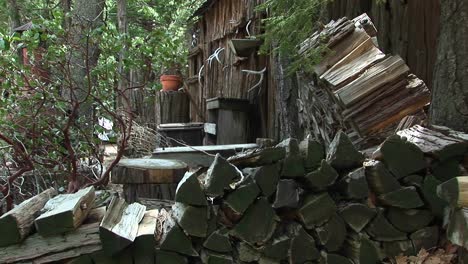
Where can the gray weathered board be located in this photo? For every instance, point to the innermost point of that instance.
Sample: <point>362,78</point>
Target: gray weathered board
<point>196,156</point>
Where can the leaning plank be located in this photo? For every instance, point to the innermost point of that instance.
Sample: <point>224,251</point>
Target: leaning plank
<point>457,230</point>
<point>119,227</point>
<point>65,212</point>
<point>455,191</point>
<point>16,225</point>
<point>145,243</point>
<point>150,171</point>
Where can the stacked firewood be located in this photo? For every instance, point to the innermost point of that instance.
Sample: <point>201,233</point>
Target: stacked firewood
<point>296,202</point>
<point>358,87</point>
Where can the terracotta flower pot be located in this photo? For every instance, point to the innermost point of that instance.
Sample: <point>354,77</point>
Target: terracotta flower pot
<point>170,82</point>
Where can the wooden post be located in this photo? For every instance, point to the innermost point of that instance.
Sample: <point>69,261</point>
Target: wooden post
<point>172,107</point>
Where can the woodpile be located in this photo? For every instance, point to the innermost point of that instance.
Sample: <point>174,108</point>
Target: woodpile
<point>296,202</point>
<point>356,87</point>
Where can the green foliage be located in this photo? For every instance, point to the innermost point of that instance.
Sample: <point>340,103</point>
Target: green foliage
<point>35,111</point>
<point>289,23</point>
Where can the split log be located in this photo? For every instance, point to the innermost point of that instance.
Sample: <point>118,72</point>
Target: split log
<point>190,191</point>
<point>426,238</point>
<point>220,176</point>
<point>266,177</point>
<point>219,241</point>
<point>406,198</point>
<point>312,153</point>
<point>174,239</point>
<point>446,170</point>
<point>379,178</point>
<point>439,144</point>
<point>170,257</point>
<point>429,192</point>
<point>193,220</point>
<point>454,191</point>
<point>402,157</point>
<point>354,185</point>
<point>357,215</point>
<point>457,230</point>
<point>409,221</point>
<point>215,258</point>
<point>360,249</point>
<point>395,248</point>
<point>303,248</point>
<point>278,249</point>
<point>65,212</point>
<point>119,227</point>
<point>413,180</point>
<point>342,154</point>
<point>143,249</point>
<point>353,65</point>
<point>293,166</point>
<point>247,253</point>
<point>258,157</point>
<point>287,194</point>
<point>332,234</point>
<point>240,199</point>
<point>381,230</point>
<point>316,210</point>
<point>323,177</point>
<point>148,171</point>
<point>17,224</point>
<point>386,71</point>
<point>330,258</point>
<point>258,223</point>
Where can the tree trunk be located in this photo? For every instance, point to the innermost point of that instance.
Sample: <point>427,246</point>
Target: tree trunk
<point>87,16</point>
<point>123,30</point>
<point>450,92</point>
<point>14,14</point>
<point>286,102</point>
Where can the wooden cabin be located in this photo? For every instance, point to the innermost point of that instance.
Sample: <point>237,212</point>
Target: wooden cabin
<point>221,21</point>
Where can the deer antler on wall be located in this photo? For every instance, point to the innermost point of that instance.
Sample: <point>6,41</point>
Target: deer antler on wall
<point>262,76</point>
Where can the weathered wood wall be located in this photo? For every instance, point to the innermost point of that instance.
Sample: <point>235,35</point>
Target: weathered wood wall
<point>408,28</point>
<point>225,20</point>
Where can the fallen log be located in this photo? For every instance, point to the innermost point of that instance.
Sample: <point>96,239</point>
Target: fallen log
<point>65,212</point>
<point>17,224</point>
<point>119,227</point>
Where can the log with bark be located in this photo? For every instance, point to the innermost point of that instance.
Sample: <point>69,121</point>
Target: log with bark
<point>65,212</point>
<point>18,223</point>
